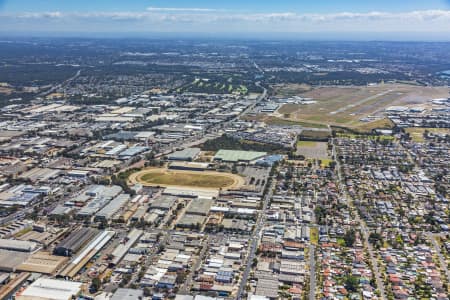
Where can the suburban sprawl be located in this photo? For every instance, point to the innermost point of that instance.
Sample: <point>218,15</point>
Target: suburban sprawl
<point>191,170</point>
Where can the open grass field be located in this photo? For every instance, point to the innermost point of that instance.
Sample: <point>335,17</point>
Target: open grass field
<point>288,90</point>
<point>325,162</point>
<point>280,121</point>
<point>306,144</point>
<point>193,179</point>
<point>345,106</point>
<point>314,235</point>
<point>315,135</point>
<point>369,137</point>
<point>368,126</point>
<point>417,133</point>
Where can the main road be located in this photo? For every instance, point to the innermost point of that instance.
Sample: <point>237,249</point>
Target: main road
<point>255,238</point>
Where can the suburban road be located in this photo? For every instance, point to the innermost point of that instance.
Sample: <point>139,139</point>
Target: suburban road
<point>363,228</point>
<point>312,261</point>
<point>312,272</point>
<point>188,282</point>
<point>442,259</point>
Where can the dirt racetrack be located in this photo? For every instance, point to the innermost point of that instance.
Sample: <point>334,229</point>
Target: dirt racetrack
<point>208,180</point>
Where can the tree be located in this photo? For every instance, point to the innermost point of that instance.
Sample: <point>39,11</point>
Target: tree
<point>96,284</point>
<point>350,238</point>
<point>254,262</point>
<point>351,283</point>
<point>181,277</point>
<point>332,165</point>
<point>147,292</point>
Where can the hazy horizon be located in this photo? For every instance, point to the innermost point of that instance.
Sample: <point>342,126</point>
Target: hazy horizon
<point>402,20</point>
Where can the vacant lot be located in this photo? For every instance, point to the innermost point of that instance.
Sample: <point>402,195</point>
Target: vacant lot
<point>315,150</point>
<point>345,106</point>
<point>195,179</point>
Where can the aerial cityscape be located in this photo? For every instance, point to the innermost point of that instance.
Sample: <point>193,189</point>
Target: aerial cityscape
<point>283,151</point>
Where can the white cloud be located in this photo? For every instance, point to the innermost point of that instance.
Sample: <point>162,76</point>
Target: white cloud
<point>216,15</point>
<point>211,20</point>
<point>181,9</point>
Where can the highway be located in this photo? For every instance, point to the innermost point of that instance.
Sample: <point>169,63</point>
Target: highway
<point>56,87</point>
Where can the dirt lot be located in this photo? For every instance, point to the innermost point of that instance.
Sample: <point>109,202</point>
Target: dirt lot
<point>347,105</point>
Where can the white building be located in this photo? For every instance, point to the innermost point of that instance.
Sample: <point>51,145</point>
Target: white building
<point>50,289</point>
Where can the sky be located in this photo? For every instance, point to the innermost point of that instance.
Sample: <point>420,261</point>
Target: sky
<point>337,19</point>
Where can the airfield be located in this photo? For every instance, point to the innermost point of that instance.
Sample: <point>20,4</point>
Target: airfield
<point>346,106</point>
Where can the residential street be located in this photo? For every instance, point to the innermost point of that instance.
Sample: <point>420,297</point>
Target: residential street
<point>363,228</point>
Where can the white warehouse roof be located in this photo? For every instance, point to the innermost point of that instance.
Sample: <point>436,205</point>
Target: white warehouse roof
<point>51,289</point>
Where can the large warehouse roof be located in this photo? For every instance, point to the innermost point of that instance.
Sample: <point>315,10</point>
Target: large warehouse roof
<point>16,245</point>
<point>235,156</point>
<point>199,206</point>
<point>186,154</point>
<point>112,207</point>
<point>45,288</point>
<point>75,241</point>
<point>9,260</point>
<point>128,294</point>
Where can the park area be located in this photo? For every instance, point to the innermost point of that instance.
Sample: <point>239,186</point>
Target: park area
<point>192,179</point>
<point>346,106</point>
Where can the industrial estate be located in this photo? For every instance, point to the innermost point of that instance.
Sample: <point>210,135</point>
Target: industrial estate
<point>190,170</point>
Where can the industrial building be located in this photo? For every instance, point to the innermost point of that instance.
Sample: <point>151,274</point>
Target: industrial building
<point>270,108</point>
<point>238,156</point>
<point>190,220</point>
<point>75,241</point>
<point>50,289</point>
<point>188,166</point>
<point>94,246</point>
<point>163,202</point>
<point>133,151</point>
<point>188,154</point>
<point>15,245</point>
<point>127,294</point>
<point>10,260</point>
<point>107,212</point>
<point>199,206</point>
<point>122,249</point>
<point>102,196</point>
<point>43,262</point>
